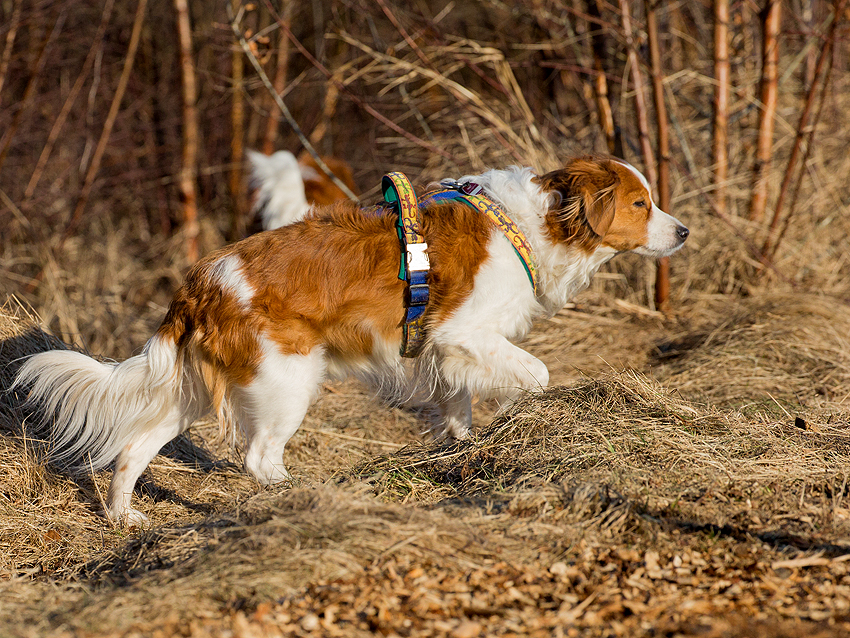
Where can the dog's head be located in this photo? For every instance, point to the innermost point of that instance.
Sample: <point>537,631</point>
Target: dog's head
<point>596,202</point>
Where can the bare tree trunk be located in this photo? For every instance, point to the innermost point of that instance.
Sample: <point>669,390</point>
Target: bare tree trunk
<point>237,154</point>
<point>640,97</point>
<point>769,80</point>
<point>721,101</point>
<point>188,170</point>
<point>662,274</point>
<point>273,121</point>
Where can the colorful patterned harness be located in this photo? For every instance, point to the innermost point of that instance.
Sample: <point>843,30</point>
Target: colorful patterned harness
<point>415,264</point>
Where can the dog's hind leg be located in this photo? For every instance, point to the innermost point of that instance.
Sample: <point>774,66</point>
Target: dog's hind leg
<point>132,461</point>
<point>271,408</point>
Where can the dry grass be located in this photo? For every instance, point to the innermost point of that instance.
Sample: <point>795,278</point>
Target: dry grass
<point>785,350</point>
<point>602,505</point>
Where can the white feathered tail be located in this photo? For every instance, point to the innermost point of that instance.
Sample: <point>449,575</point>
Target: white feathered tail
<point>97,408</point>
<point>280,198</point>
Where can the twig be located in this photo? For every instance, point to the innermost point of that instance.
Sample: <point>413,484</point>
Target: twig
<point>59,123</point>
<point>604,112</point>
<point>640,98</point>
<point>348,437</point>
<point>237,31</point>
<point>805,162</point>
<point>381,118</point>
<point>29,92</point>
<point>11,34</point>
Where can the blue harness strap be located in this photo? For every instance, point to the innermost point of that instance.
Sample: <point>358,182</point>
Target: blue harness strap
<point>415,265</point>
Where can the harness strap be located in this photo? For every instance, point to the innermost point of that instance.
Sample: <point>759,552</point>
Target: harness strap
<point>414,265</point>
<point>470,194</point>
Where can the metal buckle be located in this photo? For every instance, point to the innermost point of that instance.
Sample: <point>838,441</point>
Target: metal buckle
<point>418,295</point>
<point>417,258</point>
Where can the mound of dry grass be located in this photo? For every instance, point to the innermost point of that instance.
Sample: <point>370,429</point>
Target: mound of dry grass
<point>604,506</point>
<point>782,348</point>
<point>667,455</point>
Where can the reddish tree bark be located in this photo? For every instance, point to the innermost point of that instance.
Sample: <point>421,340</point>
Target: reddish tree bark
<point>769,92</point>
<point>662,274</point>
<point>188,171</point>
<point>721,101</point>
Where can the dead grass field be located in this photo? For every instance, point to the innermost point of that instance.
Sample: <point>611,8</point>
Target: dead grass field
<point>671,499</point>
<point>685,475</point>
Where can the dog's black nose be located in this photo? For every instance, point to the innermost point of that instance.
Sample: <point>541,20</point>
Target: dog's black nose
<point>682,232</point>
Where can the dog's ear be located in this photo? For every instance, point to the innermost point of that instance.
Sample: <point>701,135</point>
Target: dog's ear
<point>585,188</point>
<point>595,182</point>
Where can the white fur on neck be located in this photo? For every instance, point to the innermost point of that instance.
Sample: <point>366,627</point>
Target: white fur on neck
<point>563,271</point>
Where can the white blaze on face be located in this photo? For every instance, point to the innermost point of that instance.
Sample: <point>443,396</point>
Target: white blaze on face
<point>665,233</point>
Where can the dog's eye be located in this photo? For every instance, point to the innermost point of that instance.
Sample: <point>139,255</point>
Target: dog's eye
<point>640,203</point>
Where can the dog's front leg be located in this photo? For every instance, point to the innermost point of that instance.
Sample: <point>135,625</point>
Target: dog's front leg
<point>487,364</point>
<point>455,414</point>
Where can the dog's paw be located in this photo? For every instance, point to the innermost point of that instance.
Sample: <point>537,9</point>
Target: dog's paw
<point>266,471</point>
<point>126,518</point>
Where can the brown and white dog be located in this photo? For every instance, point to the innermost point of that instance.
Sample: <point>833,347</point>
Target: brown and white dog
<point>286,188</point>
<point>258,325</point>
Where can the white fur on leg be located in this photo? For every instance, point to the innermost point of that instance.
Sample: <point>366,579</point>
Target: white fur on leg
<point>487,364</point>
<point>456,414</point>
<point>135,457</point>
<point>271,408</point>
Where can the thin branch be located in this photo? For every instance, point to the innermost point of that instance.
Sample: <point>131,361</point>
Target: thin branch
<point>356,99</point>
<point>640,98</point>
<point>772,246</point>
<point>11,34</point>
<point>604,112</point>
<point>59,123</point>
<point>29,92</point>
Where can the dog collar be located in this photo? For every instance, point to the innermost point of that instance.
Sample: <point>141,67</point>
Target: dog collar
<point>414,262</point>
<point>472,194</point>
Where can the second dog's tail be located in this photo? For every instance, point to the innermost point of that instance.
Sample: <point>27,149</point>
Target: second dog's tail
<point>97,408</point>
<point>280,198</point>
